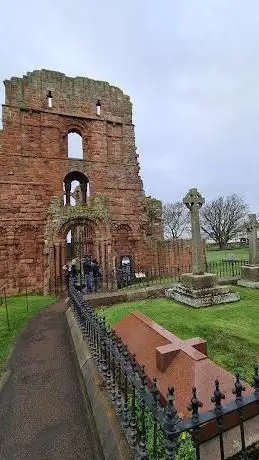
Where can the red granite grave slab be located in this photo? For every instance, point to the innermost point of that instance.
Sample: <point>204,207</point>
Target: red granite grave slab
<point>183,363</point>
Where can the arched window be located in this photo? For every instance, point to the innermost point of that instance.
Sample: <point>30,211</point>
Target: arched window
<point>76,193</point>
<point>75,145</point>
<point>76,186</point>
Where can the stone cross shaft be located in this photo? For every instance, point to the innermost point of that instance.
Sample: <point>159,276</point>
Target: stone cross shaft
<point>251,228</point>
<point>194,201</point>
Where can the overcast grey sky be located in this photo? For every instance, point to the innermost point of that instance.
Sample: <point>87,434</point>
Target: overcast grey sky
<point>191,68</point>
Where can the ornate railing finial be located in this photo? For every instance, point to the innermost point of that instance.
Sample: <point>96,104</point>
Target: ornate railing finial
<point>143,377</point>
<point>134,363</point>
<point>154,391</point>
<point>217,397</point>
<point>170,401</point>
<point>194,405</point>
<point>239,388</point>
<point>170,425</point>
<point>126,354</point>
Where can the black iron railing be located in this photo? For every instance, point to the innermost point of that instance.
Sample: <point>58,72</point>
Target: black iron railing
<point>226,268</point>
<point>165,275</point>
<point>140,277</point>
<point>152,425</point>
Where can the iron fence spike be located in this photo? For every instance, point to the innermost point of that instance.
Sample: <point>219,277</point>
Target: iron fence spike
<point>194,405</point>
<point>217,397</point>
<point>239,388</point>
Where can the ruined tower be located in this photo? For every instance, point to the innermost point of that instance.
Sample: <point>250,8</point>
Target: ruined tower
<point>111,217</point>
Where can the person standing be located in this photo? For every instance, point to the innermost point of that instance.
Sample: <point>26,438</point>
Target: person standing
<point>96,275</point>
<point>66,276</point>
<point>88,273</point>
<point>73,271</point>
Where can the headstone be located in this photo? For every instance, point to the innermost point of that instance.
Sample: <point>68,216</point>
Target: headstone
<point>199,289</point>
<point>183,363</point>
<point>250,273</point>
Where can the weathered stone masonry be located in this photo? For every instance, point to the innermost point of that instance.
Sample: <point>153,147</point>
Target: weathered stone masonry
<point>34,162</point>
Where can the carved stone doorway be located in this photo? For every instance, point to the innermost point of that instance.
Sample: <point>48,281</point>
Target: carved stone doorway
<point>76,239</point>
<point>81,241</point>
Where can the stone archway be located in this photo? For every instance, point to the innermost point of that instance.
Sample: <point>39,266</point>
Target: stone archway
<point>74,239</point>
<point>87,238</point>
<point>80,238</point>
<point>90,224</point>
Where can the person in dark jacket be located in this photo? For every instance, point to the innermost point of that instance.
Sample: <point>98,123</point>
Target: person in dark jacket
<point>88,273</point>
<point>73,271</point>
<point>66,276</point>
<point>96,275</point>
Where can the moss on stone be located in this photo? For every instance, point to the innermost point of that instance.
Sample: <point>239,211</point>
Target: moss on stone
<point>96,210</point>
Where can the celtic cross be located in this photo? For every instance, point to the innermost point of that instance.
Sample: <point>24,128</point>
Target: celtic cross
<point>194,201</point>
<point>251,228</point>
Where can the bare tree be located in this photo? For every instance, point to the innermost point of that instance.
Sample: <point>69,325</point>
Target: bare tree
<point>223,218</point>
<point>176,219</point>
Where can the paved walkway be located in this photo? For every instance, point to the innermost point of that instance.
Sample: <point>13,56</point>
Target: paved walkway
<point>42,410</point>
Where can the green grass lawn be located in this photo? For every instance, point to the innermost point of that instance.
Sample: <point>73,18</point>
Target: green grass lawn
<point>218,256</point>
<point>232,330</point>
<point>18,318</point>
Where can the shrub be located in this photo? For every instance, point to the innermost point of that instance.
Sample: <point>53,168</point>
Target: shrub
<point>186,449</point>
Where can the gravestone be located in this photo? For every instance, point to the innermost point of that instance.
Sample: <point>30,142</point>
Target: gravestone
<point>183,363</point>
<point>250,273</point>
<point>199,289</point>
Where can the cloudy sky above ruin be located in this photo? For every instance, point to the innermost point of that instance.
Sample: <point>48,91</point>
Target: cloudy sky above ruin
<point>191,68</point>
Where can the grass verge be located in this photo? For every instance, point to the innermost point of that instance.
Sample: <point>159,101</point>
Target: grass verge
<point>18,318</point>
<point>231,330</point>
<point>218,256</point>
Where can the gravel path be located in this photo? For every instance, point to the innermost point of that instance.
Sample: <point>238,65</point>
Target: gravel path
<point>42,409</point>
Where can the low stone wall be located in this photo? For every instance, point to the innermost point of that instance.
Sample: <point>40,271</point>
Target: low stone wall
<point>107,299</point>
<point>210,450</point>
<point>113,441</point>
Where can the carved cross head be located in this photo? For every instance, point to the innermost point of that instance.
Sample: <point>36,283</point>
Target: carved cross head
<point>251,224</point>
<point>193,199</point>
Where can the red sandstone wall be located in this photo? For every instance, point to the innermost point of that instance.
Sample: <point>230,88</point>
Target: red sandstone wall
<point>34,161</point>
<point>164,255</point>
<point>34,139</point>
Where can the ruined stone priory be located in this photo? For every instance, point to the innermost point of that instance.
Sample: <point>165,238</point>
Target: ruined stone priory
<point>42,225</point>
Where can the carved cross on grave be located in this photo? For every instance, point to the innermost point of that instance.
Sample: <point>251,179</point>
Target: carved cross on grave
<point>194,201</point>
<point>251,228</point>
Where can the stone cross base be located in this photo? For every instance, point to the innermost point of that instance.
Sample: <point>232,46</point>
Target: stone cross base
<point>204,281</point>
<point>201,291</point>
<point>199,298</point>
<point>249,276</point>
